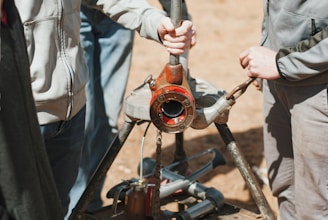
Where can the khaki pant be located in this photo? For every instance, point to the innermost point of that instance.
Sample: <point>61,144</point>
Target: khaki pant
<point>296,148</point>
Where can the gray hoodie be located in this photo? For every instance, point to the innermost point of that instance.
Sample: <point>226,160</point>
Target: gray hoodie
<point>58,69</point>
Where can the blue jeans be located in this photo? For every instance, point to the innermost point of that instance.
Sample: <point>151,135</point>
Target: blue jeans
<point>108,49</point>
<point>64,141</point>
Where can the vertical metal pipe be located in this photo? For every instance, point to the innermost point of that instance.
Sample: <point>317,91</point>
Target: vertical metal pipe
<point>180,154</point>
<point>246,172</point>
<point>176,17</point>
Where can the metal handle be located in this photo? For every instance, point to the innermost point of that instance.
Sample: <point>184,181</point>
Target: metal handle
<point>240,89</point>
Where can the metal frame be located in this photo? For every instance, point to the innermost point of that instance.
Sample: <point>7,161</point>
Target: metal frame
<point>80,212</point>
<point>216,105</point>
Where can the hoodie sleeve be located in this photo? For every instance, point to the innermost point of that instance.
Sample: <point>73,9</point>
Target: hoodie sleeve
<point>307,59</point>
<point>134,14</point>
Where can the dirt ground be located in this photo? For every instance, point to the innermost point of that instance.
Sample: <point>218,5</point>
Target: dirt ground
<point>224,29</point>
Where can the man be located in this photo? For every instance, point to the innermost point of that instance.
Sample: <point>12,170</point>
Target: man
<point>293,62</point>
<point>59,72</point>
<point>108,51</point>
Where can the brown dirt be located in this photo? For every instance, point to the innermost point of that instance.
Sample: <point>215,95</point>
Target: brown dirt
<point>224,29</point>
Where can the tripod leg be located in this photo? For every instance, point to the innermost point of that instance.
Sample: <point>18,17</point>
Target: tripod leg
<point>246,172</point>
<point>101,170</point>
<point>180,154</point>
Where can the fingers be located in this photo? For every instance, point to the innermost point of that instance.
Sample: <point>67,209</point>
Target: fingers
<point>178,40</point>
<point>259,62</point>
<point>243,58</point>
<point>177,45</point>
<point>165,26</point>
<point>247,62</point>
<point>257,84</point>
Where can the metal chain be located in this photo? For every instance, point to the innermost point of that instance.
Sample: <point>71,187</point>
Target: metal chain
<point>156,205</point>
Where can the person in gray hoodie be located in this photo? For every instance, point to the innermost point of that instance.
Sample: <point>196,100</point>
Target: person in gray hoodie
<point>107,48</point>
<point>59,72</point>
<point>293,63</point>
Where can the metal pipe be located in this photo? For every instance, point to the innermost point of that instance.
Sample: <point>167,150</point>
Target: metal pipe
<point>246,172</point>
<point>206,116</point>
<point>176,17</point>
<point>212,198</point>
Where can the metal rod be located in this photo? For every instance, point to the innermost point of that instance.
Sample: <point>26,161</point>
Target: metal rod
<point>100,173</point>
<point>246,172</point>
<point>176,17</point>
<point>180,154</point>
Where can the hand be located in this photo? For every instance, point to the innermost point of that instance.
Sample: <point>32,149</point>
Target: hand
<point>260,62</point>
<point>178,40</point>
<point>257,83</point>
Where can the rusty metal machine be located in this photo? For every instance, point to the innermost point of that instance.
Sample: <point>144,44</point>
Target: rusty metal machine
<point>173,102</point>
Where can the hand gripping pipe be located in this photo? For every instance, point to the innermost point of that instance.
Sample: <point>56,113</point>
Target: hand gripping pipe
<point>172,105</point>
<point>177,101</point>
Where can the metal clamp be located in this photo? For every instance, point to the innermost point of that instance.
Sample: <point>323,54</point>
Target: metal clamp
<point>239,90</point>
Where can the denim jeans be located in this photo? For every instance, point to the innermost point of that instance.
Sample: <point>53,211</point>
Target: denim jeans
<point>108,49</point>
<point>64,141</point>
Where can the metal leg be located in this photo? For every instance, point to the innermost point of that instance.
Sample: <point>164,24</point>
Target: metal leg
<point>246,172</point>
<point>101,170</point>
<point>180,154</point>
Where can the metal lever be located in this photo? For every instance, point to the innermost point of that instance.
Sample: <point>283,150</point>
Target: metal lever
<point>240,89</point>
<point>178,181</point>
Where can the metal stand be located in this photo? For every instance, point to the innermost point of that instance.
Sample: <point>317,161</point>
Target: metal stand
<point>137,110</point>
<point>173,102</point>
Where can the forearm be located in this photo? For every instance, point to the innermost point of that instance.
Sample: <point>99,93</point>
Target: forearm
<point>307,59</point>
<point>149,22</point>
<point>136,15</point>
<point>166,4</point>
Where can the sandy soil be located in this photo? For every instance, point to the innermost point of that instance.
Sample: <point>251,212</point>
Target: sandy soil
<point>224,29</point>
